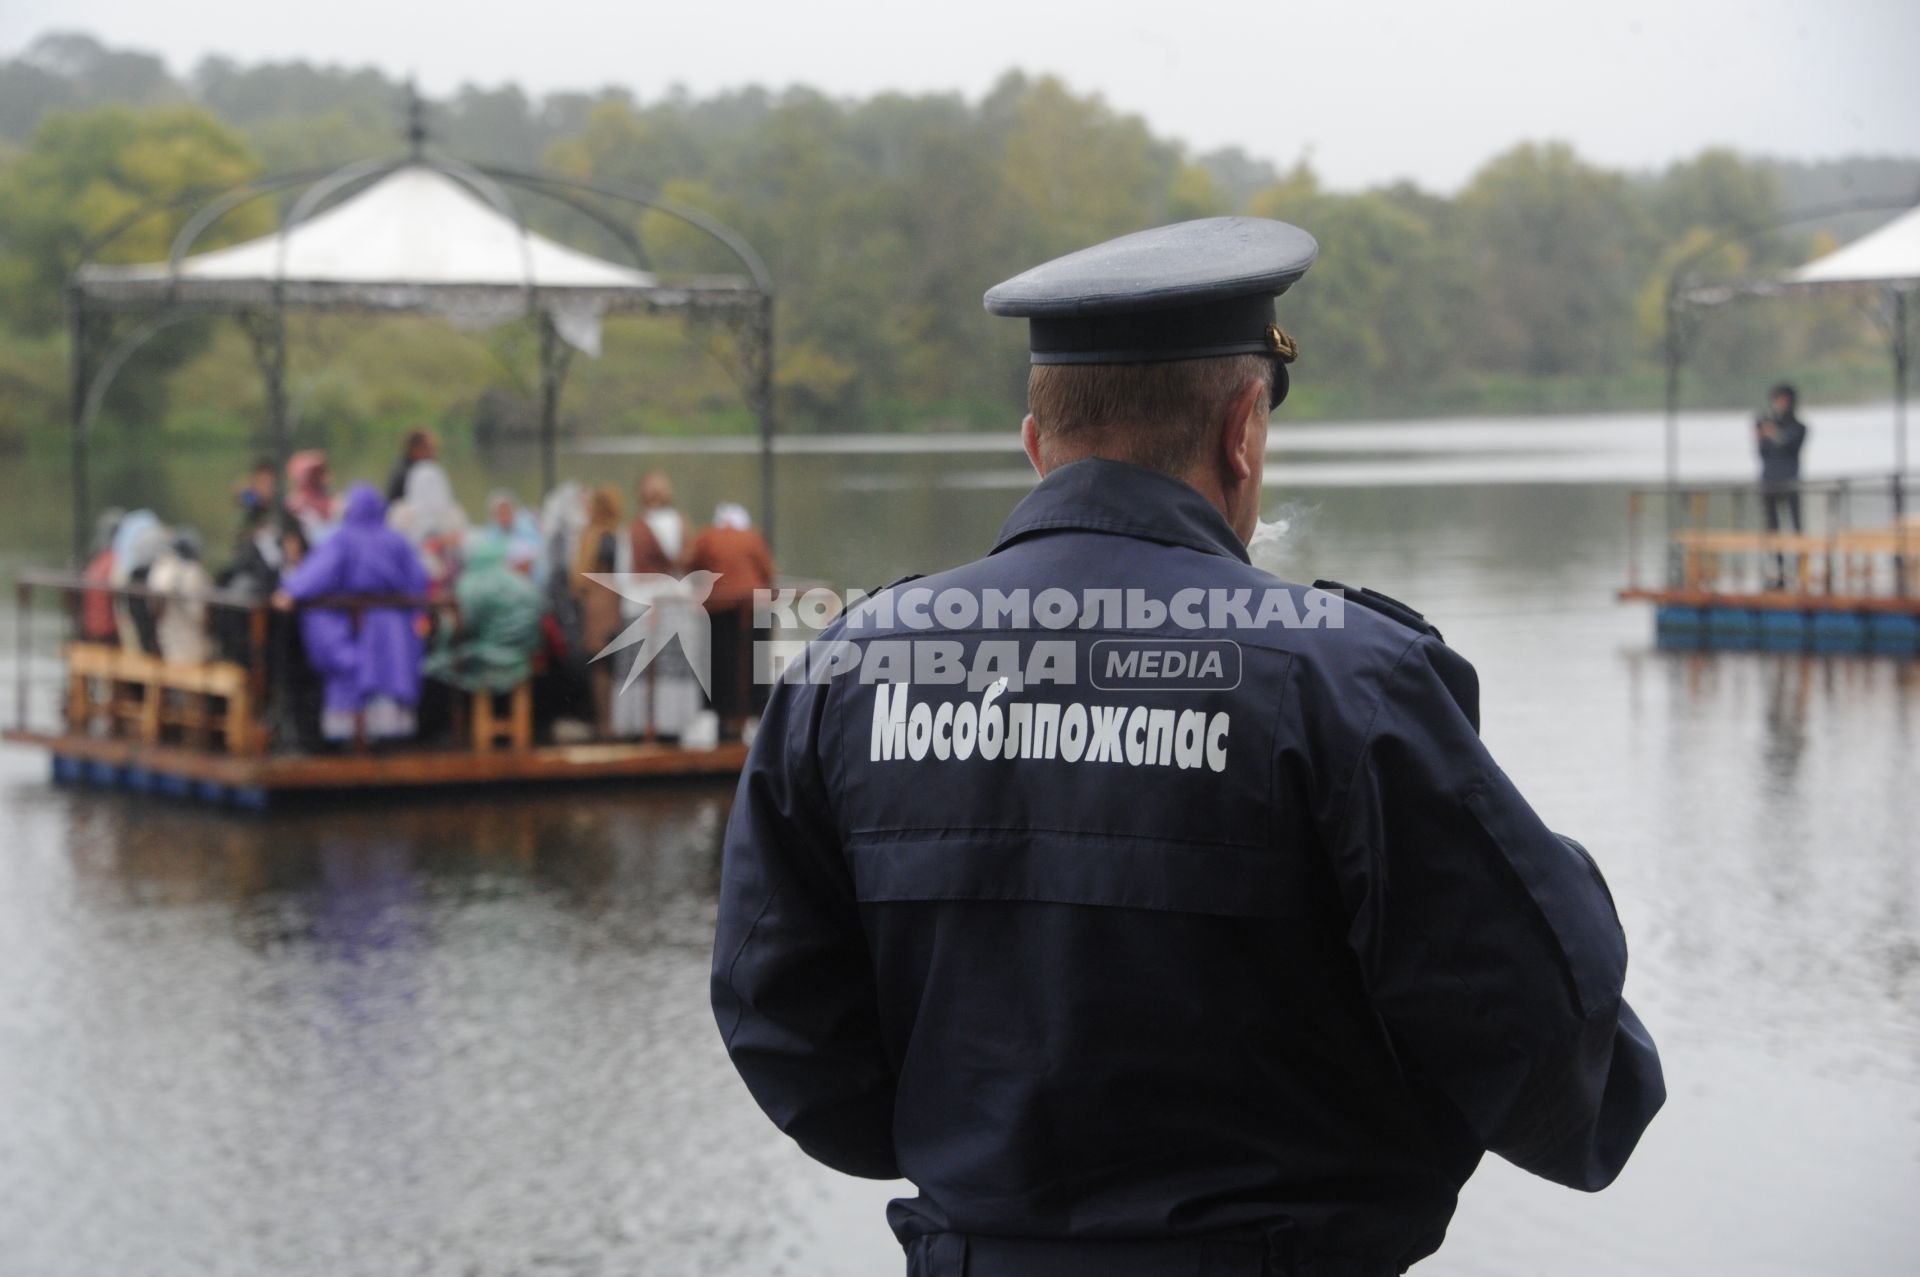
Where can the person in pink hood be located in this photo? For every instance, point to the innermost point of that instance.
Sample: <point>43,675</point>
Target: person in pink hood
<point>310,495</point>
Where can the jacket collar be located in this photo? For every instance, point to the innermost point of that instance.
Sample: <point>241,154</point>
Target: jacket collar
<point>1096,495</point>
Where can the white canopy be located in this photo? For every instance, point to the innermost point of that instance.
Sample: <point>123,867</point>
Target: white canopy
<point>416,238</point>
<point>424,234</point>
<point>1888,258</point>
<point>1890,255</point>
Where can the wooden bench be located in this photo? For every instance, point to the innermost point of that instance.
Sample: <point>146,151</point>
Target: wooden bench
<point>141,695</point>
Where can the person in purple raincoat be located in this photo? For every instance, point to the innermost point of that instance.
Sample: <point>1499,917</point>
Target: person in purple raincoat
<point>371,672</point>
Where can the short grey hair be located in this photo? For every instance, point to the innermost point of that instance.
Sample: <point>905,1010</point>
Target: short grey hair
<point>1160,415</point>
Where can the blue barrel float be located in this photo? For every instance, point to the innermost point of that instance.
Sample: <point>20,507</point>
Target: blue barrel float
<point>1772,629</point>
<point>1839,632</point>
<point>1733,629</point>
<point>1784,631</point>
<point>1678,626</point>
<point>1893,633</point>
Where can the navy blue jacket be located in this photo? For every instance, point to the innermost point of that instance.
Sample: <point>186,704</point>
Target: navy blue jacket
<point>1273,947</point>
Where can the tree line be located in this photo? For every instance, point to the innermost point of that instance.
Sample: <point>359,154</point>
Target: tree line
<point>1539,284</point>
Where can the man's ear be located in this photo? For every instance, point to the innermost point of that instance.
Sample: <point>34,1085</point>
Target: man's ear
<point>1030,440</point>
<point>1239,442</point>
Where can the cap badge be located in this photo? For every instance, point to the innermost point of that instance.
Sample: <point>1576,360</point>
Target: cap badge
<point>1282,345</point>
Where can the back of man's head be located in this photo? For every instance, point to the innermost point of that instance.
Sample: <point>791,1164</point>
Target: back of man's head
<point>1164,416</point>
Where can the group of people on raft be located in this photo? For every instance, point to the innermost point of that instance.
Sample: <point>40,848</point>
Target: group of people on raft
<point>505,601</point>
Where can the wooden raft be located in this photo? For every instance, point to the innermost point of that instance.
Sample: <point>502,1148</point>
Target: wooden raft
<point>135,721</point>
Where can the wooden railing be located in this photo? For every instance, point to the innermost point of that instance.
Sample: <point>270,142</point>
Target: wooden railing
<point>240,703</point>
<point>1857,539</point>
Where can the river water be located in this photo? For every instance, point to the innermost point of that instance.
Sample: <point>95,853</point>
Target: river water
<point>469,1036</point>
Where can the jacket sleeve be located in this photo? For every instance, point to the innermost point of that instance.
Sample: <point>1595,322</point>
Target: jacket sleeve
<point>1489,944</point>
<point>793,988</point>
<point>319,573</point>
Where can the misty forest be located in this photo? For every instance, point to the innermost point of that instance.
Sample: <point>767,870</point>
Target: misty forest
<point>1538,286</point>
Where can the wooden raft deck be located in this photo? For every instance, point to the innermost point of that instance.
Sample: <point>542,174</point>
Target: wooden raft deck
<point>249,780</point>
<point>1773,600</point>
<point>1844,586</point>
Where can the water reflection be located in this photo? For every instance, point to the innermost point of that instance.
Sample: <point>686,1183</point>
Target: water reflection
<point>1785,902</point>
<point>448,1037</point>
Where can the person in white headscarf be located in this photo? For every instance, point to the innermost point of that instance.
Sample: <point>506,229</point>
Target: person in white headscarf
<point>137,542</point>
<point>180,579</point>
<point>514,526</point>
<point>428,492</point>
<point>665,699</point>
<point>429,516</point>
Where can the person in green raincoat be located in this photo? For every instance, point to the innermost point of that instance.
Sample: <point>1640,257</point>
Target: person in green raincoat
<point>491,646</point>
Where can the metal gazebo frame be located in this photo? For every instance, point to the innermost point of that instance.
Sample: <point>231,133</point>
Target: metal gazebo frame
<point>98,302</point>
<point>1685,295</point>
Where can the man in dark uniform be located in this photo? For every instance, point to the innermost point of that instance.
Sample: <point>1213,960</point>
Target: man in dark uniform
<point>1151,915</point>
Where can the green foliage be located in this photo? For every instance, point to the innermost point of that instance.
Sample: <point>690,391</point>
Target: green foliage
<point>33,385</point>
<point>1385,293</point>
<point>1558,248</point>
<point>1541,284</point>
<point>86,175</point>
<point>115,185</point>
<point>1715,189</point>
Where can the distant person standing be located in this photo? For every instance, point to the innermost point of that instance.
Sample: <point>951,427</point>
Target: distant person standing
<point>1779,437</point>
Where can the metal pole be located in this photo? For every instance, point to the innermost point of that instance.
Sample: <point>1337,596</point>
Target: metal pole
<point>1900,441</point>
<point>268,332</point>
<point>277,388</point>
<point>1899,536</point>
<point>763,407</point>
<point>1633,539</point>
<point>22,602</point>
<point>555,355</point>
<point>1900,349</point>
<point>280,713</point>
<point>77,422</point>
<point>1672,427</point>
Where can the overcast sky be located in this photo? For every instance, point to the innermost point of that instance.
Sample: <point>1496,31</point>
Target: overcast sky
<point>1371,91</point>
